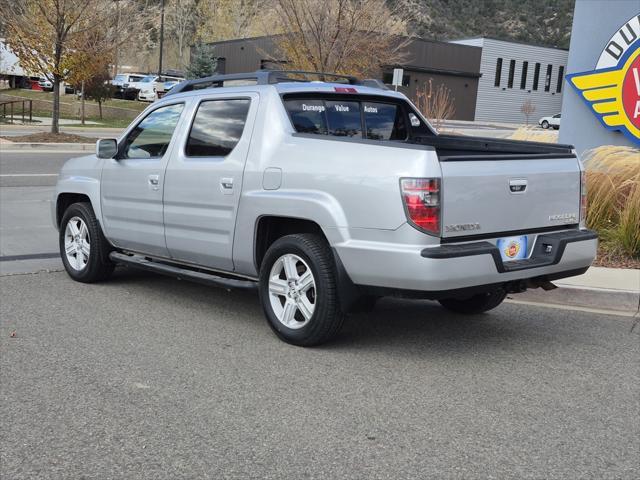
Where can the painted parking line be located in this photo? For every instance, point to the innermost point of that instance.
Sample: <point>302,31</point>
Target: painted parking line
<point>30,256</point>
<point>36,151</point>
<point>29,175</point>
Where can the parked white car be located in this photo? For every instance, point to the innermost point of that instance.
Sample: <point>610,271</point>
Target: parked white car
<point>126,84</point>
<point>152,84</point>
<point>554,122</point>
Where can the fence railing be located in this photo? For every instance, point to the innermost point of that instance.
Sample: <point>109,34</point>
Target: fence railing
<point>11,107</point>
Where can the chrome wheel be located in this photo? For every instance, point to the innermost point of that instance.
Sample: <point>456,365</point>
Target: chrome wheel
<point>77,245</point>
<point>292,291</point>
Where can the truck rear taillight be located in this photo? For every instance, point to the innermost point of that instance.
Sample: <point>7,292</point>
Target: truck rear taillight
<point>583,196</point>
<point>421,198</point>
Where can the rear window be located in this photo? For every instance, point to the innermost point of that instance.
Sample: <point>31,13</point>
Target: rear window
<point>343,119</point>
<point>352,117</point>
<point>308,116</point>
<point>384,121</point>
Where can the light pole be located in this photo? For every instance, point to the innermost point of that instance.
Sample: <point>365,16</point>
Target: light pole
<point>117,39</point>
<point>161,37</point>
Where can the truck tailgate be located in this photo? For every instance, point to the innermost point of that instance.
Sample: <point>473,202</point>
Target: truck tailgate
<point>484,196</point>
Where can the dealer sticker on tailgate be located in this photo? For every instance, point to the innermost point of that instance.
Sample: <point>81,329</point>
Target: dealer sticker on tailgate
<point>512,248</point>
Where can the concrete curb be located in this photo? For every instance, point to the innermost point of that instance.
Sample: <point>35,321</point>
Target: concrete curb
<point>81,147</point>
<point>627,302</point>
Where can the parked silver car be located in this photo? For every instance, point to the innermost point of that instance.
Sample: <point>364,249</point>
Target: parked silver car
<point>325,196</point>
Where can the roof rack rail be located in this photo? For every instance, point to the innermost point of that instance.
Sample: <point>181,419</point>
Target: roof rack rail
<point>266,77</point>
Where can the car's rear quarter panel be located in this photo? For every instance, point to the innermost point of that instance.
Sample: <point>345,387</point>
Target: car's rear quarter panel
<point>343,185</point>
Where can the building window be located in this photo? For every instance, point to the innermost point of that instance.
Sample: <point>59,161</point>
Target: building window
<point>496,83</point>
<point>547,78</point>
<point>536,76</point>
<point>523,77</point>
<point>560,79</point>
<point>221,65</point>
<point>512,71</point>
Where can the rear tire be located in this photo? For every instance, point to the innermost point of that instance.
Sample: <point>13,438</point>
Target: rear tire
<point>298,290</point>
<point>479,303</point>
<point>83,247</point>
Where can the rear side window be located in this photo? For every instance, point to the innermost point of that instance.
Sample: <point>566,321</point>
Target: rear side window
<point>217,127</point>
<point>384,121</point>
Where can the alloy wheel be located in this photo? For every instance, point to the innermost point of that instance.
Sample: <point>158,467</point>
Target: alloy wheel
<point>292,291</point>
<point>77,245</point>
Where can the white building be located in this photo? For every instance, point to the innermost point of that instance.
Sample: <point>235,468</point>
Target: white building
<point>11,73</point>
<point>513,73</point>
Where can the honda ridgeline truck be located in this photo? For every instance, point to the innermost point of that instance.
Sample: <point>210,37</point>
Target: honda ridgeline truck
<point>325,196</point>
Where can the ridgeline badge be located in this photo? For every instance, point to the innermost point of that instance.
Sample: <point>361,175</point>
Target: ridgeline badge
<point>612,89</point>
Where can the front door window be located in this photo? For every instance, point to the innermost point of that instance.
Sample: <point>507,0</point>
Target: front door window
<point>151,137</point>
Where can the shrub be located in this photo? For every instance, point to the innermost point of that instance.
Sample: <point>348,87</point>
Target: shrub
<point>613,190</point>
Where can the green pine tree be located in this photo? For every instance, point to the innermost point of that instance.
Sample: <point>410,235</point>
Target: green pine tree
<point>203,62</point>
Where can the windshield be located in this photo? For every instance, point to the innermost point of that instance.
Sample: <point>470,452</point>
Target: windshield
<point>148,78</point>
<point>119,78</point>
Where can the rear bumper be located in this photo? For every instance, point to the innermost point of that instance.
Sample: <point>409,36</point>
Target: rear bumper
<point>548,250</point>
<point>452,267</point>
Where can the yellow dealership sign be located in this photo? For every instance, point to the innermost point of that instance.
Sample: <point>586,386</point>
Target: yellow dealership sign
<point>612,89</point>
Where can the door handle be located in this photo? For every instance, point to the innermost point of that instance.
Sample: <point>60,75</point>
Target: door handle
<point>154,182</point>
<point>518,185</point>
<point>226,185</point>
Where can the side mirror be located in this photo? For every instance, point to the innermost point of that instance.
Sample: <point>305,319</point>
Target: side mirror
<point>106,148</point>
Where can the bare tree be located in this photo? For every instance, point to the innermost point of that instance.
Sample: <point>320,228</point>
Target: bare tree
<point>182,19</point>
<point>342,36</point>
<point>528,108</point>
<point>227,19</point>
<point>436,104</point>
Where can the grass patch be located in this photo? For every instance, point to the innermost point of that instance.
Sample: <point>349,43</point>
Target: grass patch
<point>45,137</point>
<point>48,96</point>
<point>613,191</point>
<point>100,123</point>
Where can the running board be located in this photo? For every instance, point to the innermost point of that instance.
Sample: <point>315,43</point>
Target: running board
<point>180,273</point>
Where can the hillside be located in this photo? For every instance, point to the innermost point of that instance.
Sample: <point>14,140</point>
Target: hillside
<point>542,22</point>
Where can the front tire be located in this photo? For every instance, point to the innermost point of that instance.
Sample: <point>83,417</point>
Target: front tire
<point>544,124</point>
<point>83,247</point>
<point>298,290</point>
<point>482,302</point>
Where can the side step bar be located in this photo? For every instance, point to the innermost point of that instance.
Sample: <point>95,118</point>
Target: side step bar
<point>143,263</point>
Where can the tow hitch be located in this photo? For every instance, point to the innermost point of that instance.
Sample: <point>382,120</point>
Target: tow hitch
<point>519,286</point>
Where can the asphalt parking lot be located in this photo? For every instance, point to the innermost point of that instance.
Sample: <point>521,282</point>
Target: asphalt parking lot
<point>150,377</point>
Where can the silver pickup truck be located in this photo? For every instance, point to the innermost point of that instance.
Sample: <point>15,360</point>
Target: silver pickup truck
<point>325,196</point>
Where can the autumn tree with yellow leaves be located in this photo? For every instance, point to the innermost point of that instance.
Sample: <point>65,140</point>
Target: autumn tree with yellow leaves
<point>354,37</point>
<point>61,39</point>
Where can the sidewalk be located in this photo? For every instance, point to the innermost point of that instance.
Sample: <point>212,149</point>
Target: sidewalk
<point>614,289</point>
<point>46,122</point>
<point>92,133</point>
